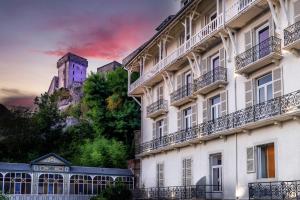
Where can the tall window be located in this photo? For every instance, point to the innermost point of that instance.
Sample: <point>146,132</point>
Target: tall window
<point>159,128</point>
<point>17,183</point>
<point>215,107</point>
<point>266,161</point>
<point>160,174</point>
<point>262,34</point>
<point>128,181</point>
<point>101,182</point>
<point>264,88</point>
<point>81,184</point>
<point>51,184</point>
<point>187,118</point>
<point>216,172</point>
<point>187,81</point>
<point>187,172</point>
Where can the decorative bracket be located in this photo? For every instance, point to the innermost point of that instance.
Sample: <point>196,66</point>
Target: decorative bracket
<point>273,13</point>
<point>224,41</point>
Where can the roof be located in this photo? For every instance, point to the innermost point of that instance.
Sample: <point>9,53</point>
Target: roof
<point>109,67</point>
<point>163,25</point>
<point>43,160</point>
<point>74,58</point>
<point>24,167</point>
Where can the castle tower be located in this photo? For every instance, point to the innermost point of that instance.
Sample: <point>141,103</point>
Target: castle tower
<point>71,70</point>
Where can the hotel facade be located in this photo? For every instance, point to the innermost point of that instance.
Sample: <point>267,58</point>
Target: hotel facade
<point>219,92</point>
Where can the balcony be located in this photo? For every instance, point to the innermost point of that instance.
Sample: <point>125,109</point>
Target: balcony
<point>196,41</point>
<point>157,108</point>
<point>266,52</point>
<point>274,111</point>
<point>179,192</point>
<point>211,81</point>
<point>240,12</point>
<point>182,95</point>
<point>292,37</point>
<point>279,190</point>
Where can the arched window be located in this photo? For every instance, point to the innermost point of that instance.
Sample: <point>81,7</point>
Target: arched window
<point>51,184</point>
<point>128,181</point>
<point>81,184</point>
<point>17,183</point>
<point>101,182</point>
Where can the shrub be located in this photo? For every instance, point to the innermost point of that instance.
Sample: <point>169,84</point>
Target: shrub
<point>116,192</point>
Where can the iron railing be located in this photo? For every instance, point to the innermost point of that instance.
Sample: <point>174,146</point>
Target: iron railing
<point>266,110</point>
<point>217,74</point>
<point>182,92</point>
<point>279,190</point>
<point>179,192</point>
<point>156,106</point>
<point>292,33</point>
<point>263,49</point>
<point>48,197</point>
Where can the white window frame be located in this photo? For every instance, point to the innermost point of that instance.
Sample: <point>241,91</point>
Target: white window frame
<point>187,119</point>
<point>217,107</point>
<point>258,160</point>
<point>212,60</point>
<point>186,74</point>
<point>159,128</point>
<point>220,168</point>
<point>265,87</point>
<point>259,29</point>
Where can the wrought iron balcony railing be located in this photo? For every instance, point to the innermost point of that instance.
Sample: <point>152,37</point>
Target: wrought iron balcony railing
<point>280,190</point>
<point>180,192</point>
<point>217,74</point>
<point>292,34</point>
<point>161,104</point>
<point>266,110</point>
<point>259,51</point>
<point>182,92</point>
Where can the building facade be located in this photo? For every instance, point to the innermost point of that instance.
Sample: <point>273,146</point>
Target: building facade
<point>220,102</point>
<point>52,177</point>
<point>112,66</point>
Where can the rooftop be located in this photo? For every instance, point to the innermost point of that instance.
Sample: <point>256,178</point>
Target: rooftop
<point>74,58</point>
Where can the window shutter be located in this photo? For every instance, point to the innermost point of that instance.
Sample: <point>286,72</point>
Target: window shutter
<point>204,110</point>
<point>179,120</point>
<point>183,171</point>
<point>220,11</point>
<point>208,67</point>
<point>222,57</point>
<point>248,40</point>
<point>271,27</point>
<point>250,160</point>
<point>248,93</point>
<point>204,66</point>
<point>194,115</point>
<point>179,81</point>
<point>276,73</point>
<point>223,96</point>
<point>160,174</point>
<point>154,130</point>
<point>165,127</point>
<point>161,92</point>
<point>297,11</point>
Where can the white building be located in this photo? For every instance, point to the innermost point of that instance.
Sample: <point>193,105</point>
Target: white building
<point>220,98</point>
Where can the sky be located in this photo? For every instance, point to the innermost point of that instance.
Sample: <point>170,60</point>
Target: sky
<point>34,34</point>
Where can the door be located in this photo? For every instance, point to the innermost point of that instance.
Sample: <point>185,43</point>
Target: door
<point>215,63</point>
<point>263,43</point>
<point>188,83</point>
<point>216,172</point>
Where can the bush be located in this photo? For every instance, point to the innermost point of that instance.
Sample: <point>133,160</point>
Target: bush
<point>3,197</point>
<point>116,192</point>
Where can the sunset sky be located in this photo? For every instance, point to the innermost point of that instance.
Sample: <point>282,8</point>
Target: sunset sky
<point>34,34</point>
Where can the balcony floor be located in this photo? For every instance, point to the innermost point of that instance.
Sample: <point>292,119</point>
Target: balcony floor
<point>157,113</point>
<point>293,45</point>
<point>211,87</point>
<point>271,58</point>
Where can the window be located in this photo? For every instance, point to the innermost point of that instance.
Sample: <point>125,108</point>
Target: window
<point>101,182</point>
<point>81,184</point>
<point>51,184</point>
<point>187,172</point>
<point>160,174</point>
<point>160,92</point>
<point>128,181</point>
<point>266,161</point>
<point>181,39</point>
<point>216,172</point>
<point>264,88</point>
<point>262,34</point>
<point>212,16</point>
<point>215,63</point>
<point>215,107</point>
<point>187,81</point>
<point>188,29</point>
<point>156,58</point>
<point>187,118</point>
<point>159,128</point>
<point>17,183</point>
